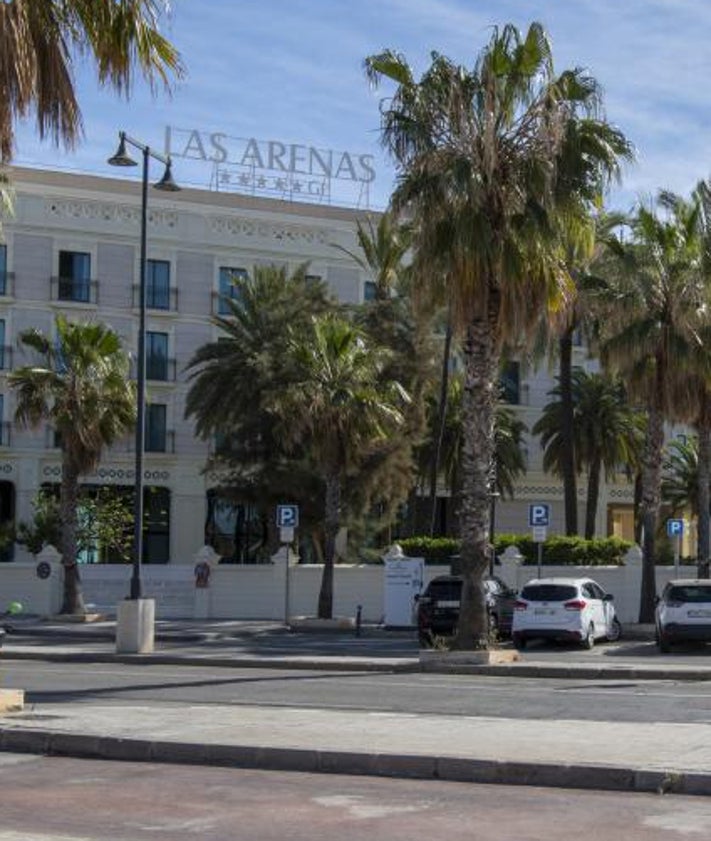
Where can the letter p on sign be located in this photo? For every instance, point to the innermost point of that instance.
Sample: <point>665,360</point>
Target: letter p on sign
<point>539,514</point>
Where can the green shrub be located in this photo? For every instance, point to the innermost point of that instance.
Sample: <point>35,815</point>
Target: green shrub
<point>558,550</point>
<point>435,550</point>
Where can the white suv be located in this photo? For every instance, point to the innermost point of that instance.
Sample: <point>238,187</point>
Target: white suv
<point>572,609</point>
<point>684,612</point>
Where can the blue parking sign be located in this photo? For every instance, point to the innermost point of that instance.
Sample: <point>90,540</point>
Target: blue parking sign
<point>675,528</point>
<point>539,514</point>
<point>287,516</point>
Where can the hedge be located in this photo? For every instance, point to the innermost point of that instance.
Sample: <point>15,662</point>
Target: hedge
<point>557,550</point>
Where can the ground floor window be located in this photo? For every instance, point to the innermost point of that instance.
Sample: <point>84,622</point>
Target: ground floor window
<point>156,523</point>
<point>7,516</point>
<point>236,531</point>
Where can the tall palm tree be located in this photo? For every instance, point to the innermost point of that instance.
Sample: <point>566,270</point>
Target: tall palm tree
<point>487,168</point>
<point>335,409</point>
<point>582,245</point>
<point>82,388</point>
<point>607,433</point>
<point>651,336</point>
<point>680,476</point>
<point>40,41</point>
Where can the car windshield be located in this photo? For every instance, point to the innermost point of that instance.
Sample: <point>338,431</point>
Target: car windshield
<point>548,592</point>
<point>444,590</point>
<point>693,593</point>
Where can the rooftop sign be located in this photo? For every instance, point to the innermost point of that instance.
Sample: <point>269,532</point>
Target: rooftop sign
<point>292,170</point>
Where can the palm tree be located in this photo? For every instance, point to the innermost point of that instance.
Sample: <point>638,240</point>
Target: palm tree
<point>82,389</point>
<point>382,253</point>
<point>336,409</point>
<point>583,244</point>
<point>680,476</point>
<point>487,169</point>
<point>39,41</point>
<point>607,433</point>
<point>651,336</point>
<point>233,378</point>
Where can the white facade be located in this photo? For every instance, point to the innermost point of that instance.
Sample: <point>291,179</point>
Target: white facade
<point>194,232</point>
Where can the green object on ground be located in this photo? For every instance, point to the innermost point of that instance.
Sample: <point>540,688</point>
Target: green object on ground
<point>14,608</point>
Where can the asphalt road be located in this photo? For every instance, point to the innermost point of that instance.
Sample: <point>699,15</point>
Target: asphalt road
<point>467,695</point>
<point>57,799</point>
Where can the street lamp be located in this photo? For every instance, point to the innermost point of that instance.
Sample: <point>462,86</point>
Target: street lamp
<point>122,158</point>
<point>493,496</point>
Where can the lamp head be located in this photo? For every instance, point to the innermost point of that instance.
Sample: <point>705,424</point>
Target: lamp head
<point>121,158</point>
<point>167,183</point>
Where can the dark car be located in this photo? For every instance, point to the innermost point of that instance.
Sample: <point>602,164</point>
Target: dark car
<point>438,607</point>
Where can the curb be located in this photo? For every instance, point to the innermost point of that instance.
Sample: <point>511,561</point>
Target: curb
<point>334,665</point>
<point>406,766</point>
<point>409,665</point>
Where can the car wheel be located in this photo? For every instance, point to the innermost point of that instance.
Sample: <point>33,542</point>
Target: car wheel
<point>493,625</point>
<point>614,632</point>
<point>663,644</point>
<point>425,639</point>
<point>589,641</point>
<point>519,642</point>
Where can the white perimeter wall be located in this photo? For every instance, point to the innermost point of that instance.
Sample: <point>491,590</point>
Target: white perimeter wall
<point>260,591</point>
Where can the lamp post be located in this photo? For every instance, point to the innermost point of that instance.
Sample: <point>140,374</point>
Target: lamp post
<point>493,496</point>
<point>122,158</point>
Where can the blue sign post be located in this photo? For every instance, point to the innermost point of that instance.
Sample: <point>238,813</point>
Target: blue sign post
<point>675,532</point>
<point>539,517</point>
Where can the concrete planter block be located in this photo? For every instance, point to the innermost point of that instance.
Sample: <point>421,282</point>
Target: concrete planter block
<point>12,700</point>
<point>432,660</point>
<point>135,626</point>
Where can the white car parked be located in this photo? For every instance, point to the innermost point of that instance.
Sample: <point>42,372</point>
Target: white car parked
<point>572,609</point>
<point>684,612</point>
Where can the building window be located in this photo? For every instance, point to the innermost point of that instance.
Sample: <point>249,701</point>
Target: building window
<point>7,516</point>
<point>156,356</point>
<point>370,290</point>
<point>156,525</point>
<point>510,383</point>
<point>158,284</point>
<point>74,282</point>
<point>235,531</point>
<point>4,351</point>
<point>156,431</point>
<point>229,288</point>
<point>4,427</point>
<point>3,270</point>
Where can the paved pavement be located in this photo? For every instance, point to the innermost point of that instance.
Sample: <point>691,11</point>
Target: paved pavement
<point>571,753</point>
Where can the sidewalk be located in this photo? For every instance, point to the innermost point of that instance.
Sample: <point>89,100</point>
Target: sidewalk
<point>571,754</point>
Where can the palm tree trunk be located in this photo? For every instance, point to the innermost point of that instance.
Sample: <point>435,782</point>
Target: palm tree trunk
<point>651,494</point>
<point>702,549</point>
<point>567,435</point>
<point>595,469</point>
<point>441,420</point>
<point>73,601</point>
<point>481,366</point>
<point>332,523</point>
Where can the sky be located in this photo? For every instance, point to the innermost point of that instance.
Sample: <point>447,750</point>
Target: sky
<point>291,71</point>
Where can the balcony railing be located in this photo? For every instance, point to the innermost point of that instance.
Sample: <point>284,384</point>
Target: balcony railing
<point>160,442</point>
<point>220,305</point>
<point>165,300</point>
<point>74,290</point>
<point>5,434</point>
<point>5,357</point>
<point>7,284</point>
<point>158,369</point>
